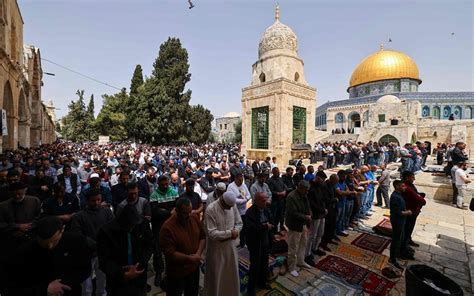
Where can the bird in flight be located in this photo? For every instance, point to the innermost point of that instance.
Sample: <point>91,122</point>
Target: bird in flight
<point>389,40</point>
<point>191,5</point>
<point>452,34</point>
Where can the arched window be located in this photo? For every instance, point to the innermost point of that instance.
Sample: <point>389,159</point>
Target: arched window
<point>446,111</point>
<point>425,112</point>
<point>468,112</point>
<point>339,118</point>
<point>297,77</point>
<point>436,112</point>
<point>262,77</point>
<point>457,112</point>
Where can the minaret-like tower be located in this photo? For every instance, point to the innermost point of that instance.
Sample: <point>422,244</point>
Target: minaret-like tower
<point>279,105</point>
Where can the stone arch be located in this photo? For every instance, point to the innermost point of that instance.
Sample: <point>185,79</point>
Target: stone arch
<point>457,111</point>
<point>297,76</point>
<point>24,120</point>
<point>436,112</point>
<point>262,77</point>
<point>9,106</point>
<point>388,139</point>
<point>425,111</point>
<point>339,120</point>
<point>354,120</point>
<point>468,112</point>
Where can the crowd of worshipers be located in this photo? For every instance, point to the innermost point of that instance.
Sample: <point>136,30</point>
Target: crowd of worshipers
<point>412,156</point>
<point>79,218</point>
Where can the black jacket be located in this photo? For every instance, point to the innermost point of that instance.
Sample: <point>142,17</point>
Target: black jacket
<point>457,156</point>
<point>33,267</point>
<point>73,179</point>
<point>34,187</point>
<point>316,197</point>
<point>119,193</point>
<point>88,222</point>
<point>330,196</point>
<point>256,234</point>
<point>112,251</point>
<point>143,188</point>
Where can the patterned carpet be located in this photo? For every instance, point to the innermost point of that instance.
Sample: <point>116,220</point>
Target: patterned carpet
<point>361,256</point>
<point>371,242</point>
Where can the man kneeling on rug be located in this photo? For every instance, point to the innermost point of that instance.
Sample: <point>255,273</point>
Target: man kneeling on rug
<point>398,214</point>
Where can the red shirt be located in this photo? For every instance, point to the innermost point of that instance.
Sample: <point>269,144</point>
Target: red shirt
<point>413,200</point>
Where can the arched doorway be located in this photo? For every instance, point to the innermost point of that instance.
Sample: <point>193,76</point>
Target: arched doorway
<point>388,139</point>
<point>339,121</point>
<point>8,140</point>
<point>436,112</point>
<point>354,120</point>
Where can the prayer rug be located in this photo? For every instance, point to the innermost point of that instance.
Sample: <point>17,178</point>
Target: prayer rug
<point>361,256</point>
<point>350,272</point>
<point>371,242</point>
<point>327,285</point>
<point>375,284</point>
<point>244,266</point>
<point>383,228</point>
<point>288,282</point>
<point>277,290</point>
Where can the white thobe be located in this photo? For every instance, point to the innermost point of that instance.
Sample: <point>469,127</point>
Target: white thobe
<point>222,267</point>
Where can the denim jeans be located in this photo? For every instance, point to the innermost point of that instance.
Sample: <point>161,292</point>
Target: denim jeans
<point>340,217</point>
<point>99,280</point>
<point>348,207</point>
<point>363,199</point>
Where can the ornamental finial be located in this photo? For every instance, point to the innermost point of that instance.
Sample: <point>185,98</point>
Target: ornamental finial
<point>277,13</point>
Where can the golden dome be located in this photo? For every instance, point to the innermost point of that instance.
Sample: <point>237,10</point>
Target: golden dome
<point>382,65</point>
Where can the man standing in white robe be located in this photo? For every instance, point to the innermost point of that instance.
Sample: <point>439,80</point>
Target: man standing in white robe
<point>223,224</point>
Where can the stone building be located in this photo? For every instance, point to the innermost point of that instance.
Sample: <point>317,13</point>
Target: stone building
<point>225,127</point>
<point>28,123</point>
<point>384,103</point>
<point>279,105</point>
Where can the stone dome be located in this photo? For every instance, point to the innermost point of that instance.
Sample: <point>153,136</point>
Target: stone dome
<point>383,65</point>
<point>232,114</point>
<point>278,36</point>
<point>388,99</point>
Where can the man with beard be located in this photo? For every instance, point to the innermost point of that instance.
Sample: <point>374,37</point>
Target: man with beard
<point>124,247</point>
<point>88,222</point>
<point>40,185</point>
<point>182,241</point>
<point>148,184</point>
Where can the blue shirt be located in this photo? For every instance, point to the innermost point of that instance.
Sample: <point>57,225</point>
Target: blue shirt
<point>342,199</point>
<point>370,176</point>
<point>309,177</point>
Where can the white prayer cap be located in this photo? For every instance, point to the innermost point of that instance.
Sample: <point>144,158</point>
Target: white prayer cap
<point>221,186</point>
<point>94,175</point>
<point>230,198</point>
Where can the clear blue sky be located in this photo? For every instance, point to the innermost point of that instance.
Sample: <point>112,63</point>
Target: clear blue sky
<point>107,38</point>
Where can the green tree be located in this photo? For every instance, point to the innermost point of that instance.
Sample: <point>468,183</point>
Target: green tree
<point>77,123</point>
<point>90,108</point>
<point>137,80</point>
<point>238,132</point>
<point>198,120</point>
<point>111,120</point>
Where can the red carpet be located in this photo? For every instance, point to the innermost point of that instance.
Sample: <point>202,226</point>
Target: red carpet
<point>371,242</point>
<point>350,272</point>
<point>383,228</point>
<point>354,274</point>
<point>375,284</point>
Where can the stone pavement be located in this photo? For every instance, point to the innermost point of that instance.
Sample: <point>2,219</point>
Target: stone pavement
<point>446,237</point>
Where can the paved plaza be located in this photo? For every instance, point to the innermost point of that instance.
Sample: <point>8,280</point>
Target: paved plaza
<point>444,232</point>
